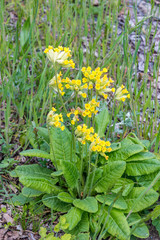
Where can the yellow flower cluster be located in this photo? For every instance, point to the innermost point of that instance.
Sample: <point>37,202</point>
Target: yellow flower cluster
<point>59,56</point>
<point>75,85</point>
<point>101,146</point>
<point>55,119</point>
<point>122,93</point>
<point>85,134</point>
<point>98,79</point>
<point>54,82</point>
<point>75,115</point>
<point>90,108</point>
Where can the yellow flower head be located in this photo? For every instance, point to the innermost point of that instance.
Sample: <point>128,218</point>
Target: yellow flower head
<point>59,56</point>
<point>55,119</point>
<point>122,93</point>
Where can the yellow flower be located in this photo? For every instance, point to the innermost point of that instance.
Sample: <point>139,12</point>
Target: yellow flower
<point>79,128</point>
<point>53,109</point>
<point>94,148</point>
<point>99,148</point>
<point>62,128</point>
<point>97,86</point>
<point>108,144</point>
<point>87,106</point>
<point>113,89</point>
<point>88,137</point>
<point>68,115</point>
<point>59,56</point>
<point>109,149</point>
<point>72,122</point>
<point>104,149</point>
<point>121,94</point>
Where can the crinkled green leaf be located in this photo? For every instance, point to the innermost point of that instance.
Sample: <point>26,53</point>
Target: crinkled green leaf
<point>98,175</point>
<point>38,178</point>
<point>70,173</point>
<point>20,200</point>
<point>123,184</point>
<point>82,226</point>
<point>116,224</point>
<point>57,173</point>
<point>60,145</point>
<point>73,217</point>
<point>82,236</point>
<point>141,230</point>
<point>146,180</point>
<point>112,171</point>
<point>120,203</point>
<point>65,197</point>
<point>138,204</point>
<point>128,148</point>
<point>43,132</point>
<point>156,212</point>
<point>141,156</point>
<point>88,204</point>
<point>115,146</point>
<point>142,167</point>
<point>51,201</point>
<point>35,153</point>
<point>29,192</point>
<point>101,122</point>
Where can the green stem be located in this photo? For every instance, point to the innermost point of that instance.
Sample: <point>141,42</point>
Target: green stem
<point>94,171</point>
<point>81,171</point>
<point>89,169</point>
<point>60,96</point>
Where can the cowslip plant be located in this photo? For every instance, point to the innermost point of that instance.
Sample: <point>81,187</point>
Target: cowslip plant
<point>99,188</point>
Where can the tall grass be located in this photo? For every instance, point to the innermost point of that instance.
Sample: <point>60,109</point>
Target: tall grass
<point>91,32</point>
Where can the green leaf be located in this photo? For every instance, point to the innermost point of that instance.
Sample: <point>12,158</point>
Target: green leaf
<point>24,34</point>
<point>138,204</point>
<point>112,171</point>
<point>155,223</point>
<point>141,230</point>
<point>125,184</point>
<point>43,132</point>
<point>70,173</point>
<point>115,146</point>
<point>141,156</point>
<point>101,122</point>
<point>13,173</point>
<point>120,203</point>
<point>66,237</point>
<point>7,162</point>
<point>117,224</point>
<point>128,148</point>
<point>146,180</point>
<point>65,197</point>
<point>156,212</point>
<point>60,145</point>
<point>82,226</point>
<point>82,236</point>
<point>38,178</point>
<point>36,153</point>
<point>57,173</point>
<point>54,203</point>
<point>20,200</point>
<point>29,192</point>
<point>73,217</point>
<point>98,175</point>
<point>88,204</point>
<point>142,167</point>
